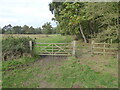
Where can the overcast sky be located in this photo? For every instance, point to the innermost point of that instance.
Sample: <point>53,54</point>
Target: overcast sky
<point>25,12</point>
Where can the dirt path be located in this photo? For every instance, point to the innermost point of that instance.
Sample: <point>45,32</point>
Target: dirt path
<point>44,63</point>
<point>48,60</point>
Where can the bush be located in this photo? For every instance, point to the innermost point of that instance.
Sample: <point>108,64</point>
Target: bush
<point>13,48</point>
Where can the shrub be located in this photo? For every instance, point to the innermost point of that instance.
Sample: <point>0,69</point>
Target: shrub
<point>15,47</point>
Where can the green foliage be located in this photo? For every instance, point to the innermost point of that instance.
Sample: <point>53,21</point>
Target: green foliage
<point>17,30</point>
<point>94,18</point>
<point>20,30</point>
<point>54,30</point>
<point>47,28</point>
<point>15,47</point>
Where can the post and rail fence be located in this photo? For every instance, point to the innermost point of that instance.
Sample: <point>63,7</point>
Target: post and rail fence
<point>66,49</point>
<point>103,48</point>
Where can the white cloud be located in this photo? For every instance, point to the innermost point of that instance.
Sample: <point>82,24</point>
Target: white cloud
<point>21,12</point>
<point>4,20</point>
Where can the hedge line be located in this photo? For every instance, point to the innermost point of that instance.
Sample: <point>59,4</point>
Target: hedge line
<point>13,48</point>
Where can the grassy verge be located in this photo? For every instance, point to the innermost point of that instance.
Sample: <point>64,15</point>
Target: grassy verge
<point>13,76</point>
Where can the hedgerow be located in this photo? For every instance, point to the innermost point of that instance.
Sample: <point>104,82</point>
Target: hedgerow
<point>13,48</point>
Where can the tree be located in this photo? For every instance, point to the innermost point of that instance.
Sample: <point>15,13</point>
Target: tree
<point>0,30</point>
<point>69,15</point>
<point>54,30</point>
<point>25,29</point>
<point>7,29</point>
<point>47,28</point>
<point>86,19</point>
<point>31,30</point>
<point>104,17</point>
<point>38,30</point>
<point>17,30</point>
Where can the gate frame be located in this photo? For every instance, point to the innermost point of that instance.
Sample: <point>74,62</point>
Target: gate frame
<point>72,47</point>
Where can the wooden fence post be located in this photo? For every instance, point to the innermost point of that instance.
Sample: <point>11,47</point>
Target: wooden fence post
<point>30,43</point>
<point>104,49</point>
<point>92,47</point>
<point>118,55</point>
<point>74,45</point>
<point>52,49</point>
<point>111,40</point>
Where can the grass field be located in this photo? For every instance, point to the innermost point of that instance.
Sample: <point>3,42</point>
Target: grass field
<point>85,71</point>
<point>33,36</point>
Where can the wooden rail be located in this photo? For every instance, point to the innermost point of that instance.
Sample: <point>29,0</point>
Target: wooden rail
<point>64,49</point>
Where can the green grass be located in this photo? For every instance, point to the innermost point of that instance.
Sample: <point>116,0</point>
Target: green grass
<point>16,76</point>
<point>68,74</point>
<point>72,72</point>
<point>12,64</point>
<point>55,39</point>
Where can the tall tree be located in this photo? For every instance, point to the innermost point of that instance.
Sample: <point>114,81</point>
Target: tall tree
<point>7,29</point>
<point>31,30</point>
<point>17,30</point>
<point>69,15</point>
<point>25,29</point>
<point>84,19</point>
<point>47,28</point>
<point>38,30</point>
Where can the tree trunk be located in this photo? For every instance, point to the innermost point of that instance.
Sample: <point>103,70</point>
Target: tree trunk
<point>91,29</point>
<point>81,30</point>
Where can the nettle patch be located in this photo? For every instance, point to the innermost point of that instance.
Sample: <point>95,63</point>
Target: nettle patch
<point>13,48</point>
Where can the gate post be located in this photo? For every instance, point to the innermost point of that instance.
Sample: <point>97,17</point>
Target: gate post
<point>74,45</point>
<point>30,43</point>
<point>92,47</point>
<point>104,49</point>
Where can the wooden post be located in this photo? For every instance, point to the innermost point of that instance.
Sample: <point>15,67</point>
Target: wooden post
<point>118,55</point>
<point>92,47</point>
<point>94,34</point>
<point>104,49</point>
<point>111,41</point>
<point>74,45</point>
<point>52,49</point>
<point>30,43</point>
